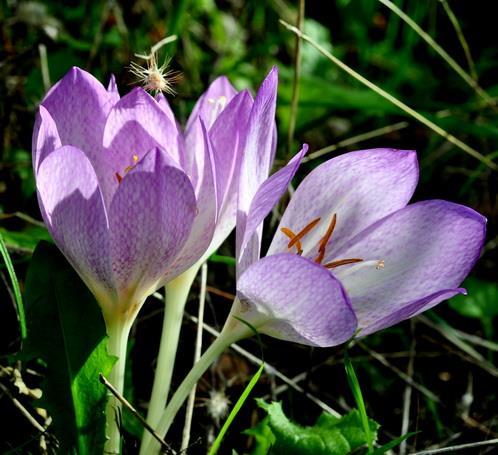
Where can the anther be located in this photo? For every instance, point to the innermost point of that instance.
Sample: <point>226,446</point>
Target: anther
<point>303,232</point>
<point>292,236</point>
<point>380,265</point>
<point>118,177</point>
<point>334,264</point>
<point>325,239</point>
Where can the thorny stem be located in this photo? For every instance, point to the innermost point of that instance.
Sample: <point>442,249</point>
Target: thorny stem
<point>177,292</point>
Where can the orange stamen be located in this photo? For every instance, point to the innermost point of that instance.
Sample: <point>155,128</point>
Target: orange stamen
<point>303,232</point>
<point>292,236</point>
<point>118,177</point>
<point>325,239</point>
<point>334,264</point>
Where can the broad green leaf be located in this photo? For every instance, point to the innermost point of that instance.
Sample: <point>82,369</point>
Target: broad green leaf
<point>329,436</point>
<point>481,301</point>
<point>67,331</point>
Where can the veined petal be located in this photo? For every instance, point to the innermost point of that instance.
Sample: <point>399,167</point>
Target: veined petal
<point>359,187</point>
<point>258,151</point>
<point>112,88</point>
<point>150,219</point>
<point>427,249</point>
<point>79,105</point>
<point>227,136</point>
<point>265,199</point>
<point>135,125</point>
<point>164,105</point>
<point>72,207</point>
<point>205,220</point>
<point>291,298</point>
<point>212,102</point>
<point>45,137</point>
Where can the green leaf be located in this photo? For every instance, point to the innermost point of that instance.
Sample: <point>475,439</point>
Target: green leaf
<point>330,435</point>
<point>15,287</point>
<point>356,390</point>
<point>26,240</point>
<point>481,301</point>
<point>392,444</point>
<point>245,394</point>
<point>67,331</point>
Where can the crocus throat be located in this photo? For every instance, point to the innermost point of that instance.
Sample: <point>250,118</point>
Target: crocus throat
<point>295,241</point>
<point>127,168</point>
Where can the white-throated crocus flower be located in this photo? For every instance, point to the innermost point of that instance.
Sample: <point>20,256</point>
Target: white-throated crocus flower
<point>130,200</point>
<point>349,254</point>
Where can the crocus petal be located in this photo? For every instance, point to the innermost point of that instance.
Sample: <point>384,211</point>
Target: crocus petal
<point>79,105</point>
<point>205,221</point>
<point>227,135</point>
<point>427,249</point>
<point>150,218</point>
<point>258,147</point>
<point>73,210</point>
<point>45,137</point>
<point>359,187</point>
<point>164,105</point>
<point>112,88</point>
<point>291,298</point>
<point>135,125</point>
<point>212,102</point>
<point>265,199</point>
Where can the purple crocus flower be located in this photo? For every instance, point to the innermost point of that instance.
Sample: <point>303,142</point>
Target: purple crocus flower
<point>349,252</point>
<point>130,199</point>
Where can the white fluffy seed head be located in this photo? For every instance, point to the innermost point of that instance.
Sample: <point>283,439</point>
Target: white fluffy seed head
<point>155,78</point>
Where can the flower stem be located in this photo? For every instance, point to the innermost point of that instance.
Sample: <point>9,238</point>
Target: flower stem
<point>176,296</point>
<point>225,339</point>
<point>118,332</point>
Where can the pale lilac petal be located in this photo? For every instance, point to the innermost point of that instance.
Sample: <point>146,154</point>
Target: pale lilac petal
<point>227,135</point>
<point>73,210</point>
<point>212,102</point>
<point>428,248</point>
<point>112,88</point>
<point>257,158</point>
<point>135,125</point>
<point>164,105</point>
<point>265,199</point>
<point>205,220</point>
<point>411,309</point>
<point>79,105</point>
<point>45,137</point>
<point>291,298</point>
<point>359,187</point>
<point>150,219</point>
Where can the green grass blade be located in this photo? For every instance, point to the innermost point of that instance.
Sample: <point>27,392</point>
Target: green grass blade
<point>245,394</point>
<point>392,444</point>
<point>355,389</point>
<point>15,287</point>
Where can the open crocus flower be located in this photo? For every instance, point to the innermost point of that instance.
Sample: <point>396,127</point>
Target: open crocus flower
<point>351,254</point>
<point>130,200</point>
